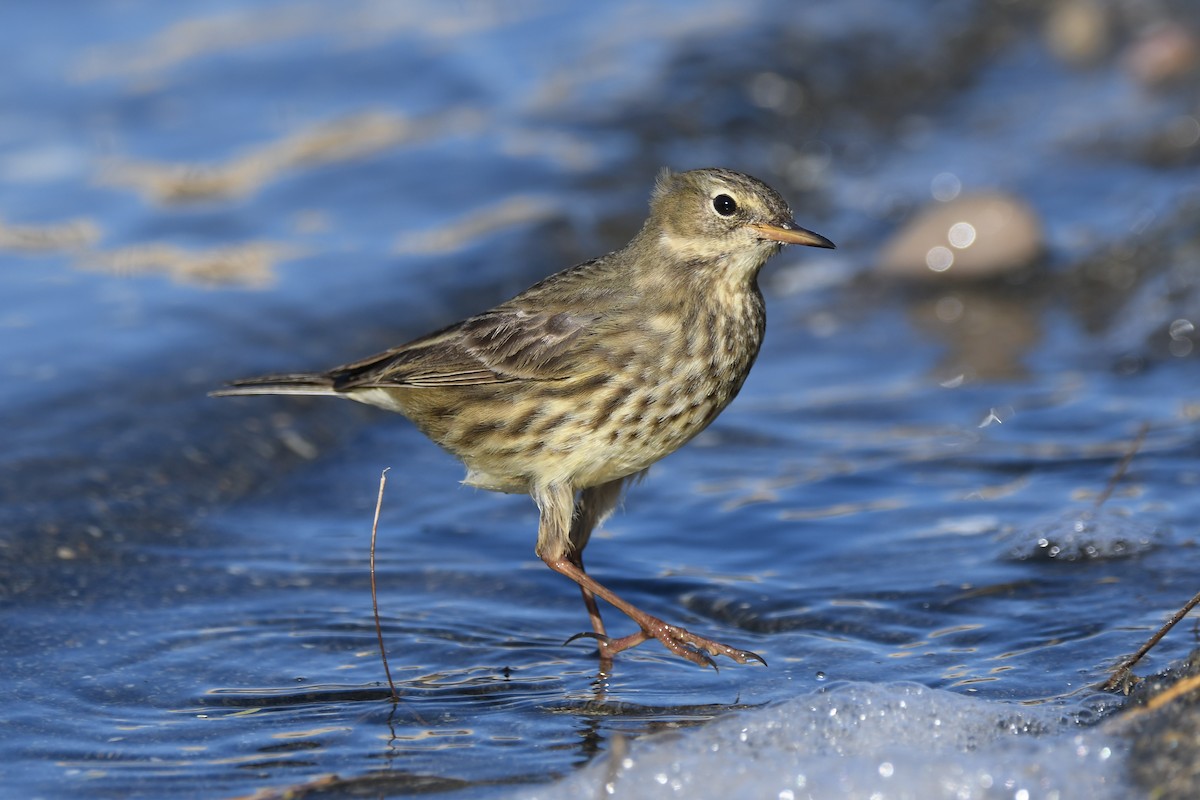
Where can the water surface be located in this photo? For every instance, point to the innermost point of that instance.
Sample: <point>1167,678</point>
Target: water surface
<point>195,192</point>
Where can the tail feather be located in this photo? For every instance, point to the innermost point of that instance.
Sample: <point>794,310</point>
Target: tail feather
<point>279,384</point>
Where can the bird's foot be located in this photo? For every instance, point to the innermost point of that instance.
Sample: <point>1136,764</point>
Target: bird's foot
<point>679,641</point>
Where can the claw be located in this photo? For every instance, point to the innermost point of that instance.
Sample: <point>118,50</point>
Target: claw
<point>680,641</point>
<point>598,637</point>
<point>747,655</point>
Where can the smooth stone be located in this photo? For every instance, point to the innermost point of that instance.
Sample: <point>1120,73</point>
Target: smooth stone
<point>1163,55</point>
<point>1078,32</point>
<point>973,237</point>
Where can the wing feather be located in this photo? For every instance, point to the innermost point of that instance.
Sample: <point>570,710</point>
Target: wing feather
<point>498,346</point>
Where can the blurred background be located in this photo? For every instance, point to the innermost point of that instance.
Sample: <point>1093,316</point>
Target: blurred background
<point>904,512</point>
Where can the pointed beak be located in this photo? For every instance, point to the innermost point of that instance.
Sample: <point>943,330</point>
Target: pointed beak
<point>791,233</point>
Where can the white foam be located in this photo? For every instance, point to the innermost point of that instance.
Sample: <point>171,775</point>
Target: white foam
<point>1081,534</point>
<point>878,741</point>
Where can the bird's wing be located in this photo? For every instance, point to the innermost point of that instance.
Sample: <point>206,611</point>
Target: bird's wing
<point>498,346</point>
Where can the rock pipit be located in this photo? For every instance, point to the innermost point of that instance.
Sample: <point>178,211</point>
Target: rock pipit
<point>577,385</point>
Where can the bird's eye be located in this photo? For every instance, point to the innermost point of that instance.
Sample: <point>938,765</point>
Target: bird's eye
<point>724,205</point>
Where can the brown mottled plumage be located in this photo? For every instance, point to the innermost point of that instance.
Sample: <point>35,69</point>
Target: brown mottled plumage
<point>581,382</point>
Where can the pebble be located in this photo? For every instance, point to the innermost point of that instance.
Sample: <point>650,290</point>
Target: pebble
<point>1078,32</point>
<point>1163,55</point>
<point>973,237</point>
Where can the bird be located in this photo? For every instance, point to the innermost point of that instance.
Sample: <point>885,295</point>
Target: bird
<point>572,389</point>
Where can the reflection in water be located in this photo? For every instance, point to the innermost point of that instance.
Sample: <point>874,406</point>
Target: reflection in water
<point>512,211</point>
<point>354,23</point>
<point>987,331</point>
<point>351,138</point>
<point>71,235</point>
<point>251,264</point>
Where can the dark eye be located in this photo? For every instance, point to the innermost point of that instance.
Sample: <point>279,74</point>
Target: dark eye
<point>724,205</point>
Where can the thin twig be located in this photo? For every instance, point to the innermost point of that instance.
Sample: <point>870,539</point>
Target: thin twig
<point>374,594</point>
<point>1121,673</point>
<point>1123,467</point>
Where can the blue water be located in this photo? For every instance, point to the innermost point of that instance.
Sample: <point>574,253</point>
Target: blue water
<point>184,580</point>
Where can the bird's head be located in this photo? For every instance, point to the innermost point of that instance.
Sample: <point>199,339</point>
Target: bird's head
<point>721,216</point>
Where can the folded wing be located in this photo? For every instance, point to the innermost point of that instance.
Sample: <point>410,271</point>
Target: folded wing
<point>499,346</point>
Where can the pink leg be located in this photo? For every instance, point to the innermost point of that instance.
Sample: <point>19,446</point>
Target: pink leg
<point>679,641</point>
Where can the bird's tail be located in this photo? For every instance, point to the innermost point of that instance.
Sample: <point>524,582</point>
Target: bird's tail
<point>279,384</point>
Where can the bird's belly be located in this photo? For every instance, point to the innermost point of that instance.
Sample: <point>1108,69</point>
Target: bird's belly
<point>595,428</point>
<point>632,444</point>
<point>615,434</point>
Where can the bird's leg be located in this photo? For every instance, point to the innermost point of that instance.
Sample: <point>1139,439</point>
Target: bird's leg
<point>593,507</point>
<point>589,599</point>
<point>679,641</point>
<point>562,524</point>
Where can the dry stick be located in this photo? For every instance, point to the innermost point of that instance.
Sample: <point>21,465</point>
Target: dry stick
<point>1123,467</point>
<point>374,594</point>
<point>1178,689</point>
<point>1122,672</point>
